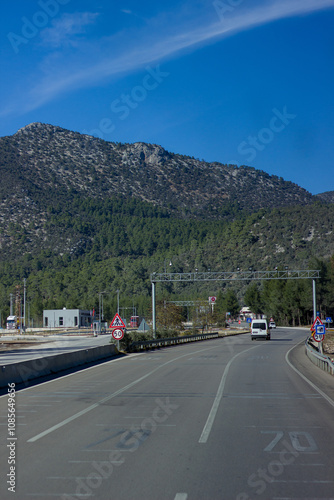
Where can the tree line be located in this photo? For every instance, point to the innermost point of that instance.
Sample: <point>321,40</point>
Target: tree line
<point>90,246</point>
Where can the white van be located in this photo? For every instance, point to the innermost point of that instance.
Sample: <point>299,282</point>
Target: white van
<point>259,329</point>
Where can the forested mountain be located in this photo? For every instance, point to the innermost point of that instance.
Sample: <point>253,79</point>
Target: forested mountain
<point>327,197</point>
<point>79,215</point>
<point>46,170</point>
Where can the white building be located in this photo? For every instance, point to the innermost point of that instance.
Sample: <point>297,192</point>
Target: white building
<point>66,318</point>
<point>245,313</point>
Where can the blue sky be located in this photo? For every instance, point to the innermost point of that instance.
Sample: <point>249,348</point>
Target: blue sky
<point>234,81</point>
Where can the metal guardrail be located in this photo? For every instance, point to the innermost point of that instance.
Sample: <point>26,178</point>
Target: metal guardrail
<point>150,344</point>
<point>320,360</point>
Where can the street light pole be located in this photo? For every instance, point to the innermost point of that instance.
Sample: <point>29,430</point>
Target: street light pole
<point>100,295</point>
<point>100,313</point>
<point>165,264</point>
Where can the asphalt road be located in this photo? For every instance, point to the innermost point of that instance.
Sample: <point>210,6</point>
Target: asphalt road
<point>48,346</point>
<point>223,419</point>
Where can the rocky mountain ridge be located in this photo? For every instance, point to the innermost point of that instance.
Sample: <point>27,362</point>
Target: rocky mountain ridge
<point>327,196</point>
<point>55,182</point>
<point>47,158</point>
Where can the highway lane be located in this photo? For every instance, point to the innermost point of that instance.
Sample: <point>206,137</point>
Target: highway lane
<point>49,346</point>
<point>223,419</point>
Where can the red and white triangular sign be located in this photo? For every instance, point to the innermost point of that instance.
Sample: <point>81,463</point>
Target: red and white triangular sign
<point>316,322</point>
<point>117,322</point>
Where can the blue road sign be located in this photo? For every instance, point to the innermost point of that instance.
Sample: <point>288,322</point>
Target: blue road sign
<point>320,329</point>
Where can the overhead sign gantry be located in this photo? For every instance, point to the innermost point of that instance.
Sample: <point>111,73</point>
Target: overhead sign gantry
<point>238,275</point>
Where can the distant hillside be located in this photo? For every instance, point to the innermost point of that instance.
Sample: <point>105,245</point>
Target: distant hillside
<point>327,197</point>
<point>49,174</point>
<point>40,160</point>
<point>79,215</point>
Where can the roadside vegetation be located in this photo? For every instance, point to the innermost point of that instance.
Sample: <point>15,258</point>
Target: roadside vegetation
<point>115,244</point>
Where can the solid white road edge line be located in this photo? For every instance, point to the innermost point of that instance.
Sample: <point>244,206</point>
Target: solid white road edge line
<point>39,384</point>
<point>316,388</point>
<point>101,401</point>
<point>212,415</point>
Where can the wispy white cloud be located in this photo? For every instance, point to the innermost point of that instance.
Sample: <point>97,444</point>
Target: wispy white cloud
<point>156,47</point>
<point>65,30</point>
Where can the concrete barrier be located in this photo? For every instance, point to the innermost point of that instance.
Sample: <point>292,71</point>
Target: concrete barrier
<point>27,370</point>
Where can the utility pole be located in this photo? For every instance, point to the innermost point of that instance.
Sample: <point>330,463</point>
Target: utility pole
<point>24,305</point>
<point>314,301</point>
<point>153,310</point>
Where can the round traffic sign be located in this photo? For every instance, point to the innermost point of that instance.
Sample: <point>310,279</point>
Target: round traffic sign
<point>118,334</point>
<point>318,337</point>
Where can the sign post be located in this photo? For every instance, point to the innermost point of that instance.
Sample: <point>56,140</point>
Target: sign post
<point>318,331</point>
<point>118,334</point>
<point>117,322</point>
<point>316,323</point>
<point>212,301</point>
<point>318,337</point>
<point>328,320</point>
<point>118,328</point>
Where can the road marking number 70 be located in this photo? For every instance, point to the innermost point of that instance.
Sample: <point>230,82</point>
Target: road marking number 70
<point>300,440</point>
